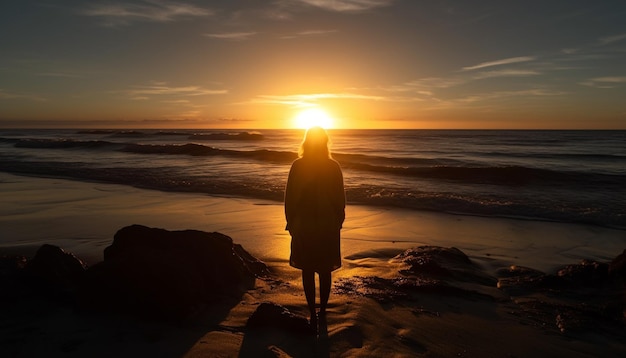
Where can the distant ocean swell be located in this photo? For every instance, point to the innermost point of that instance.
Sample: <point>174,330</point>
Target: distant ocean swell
<point>451,202</point>
<point>577,177</point>
<point>409,167</point>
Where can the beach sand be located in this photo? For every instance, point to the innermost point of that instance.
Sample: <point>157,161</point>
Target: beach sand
<point>83,217</point>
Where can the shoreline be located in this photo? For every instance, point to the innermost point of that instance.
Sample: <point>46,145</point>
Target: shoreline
<point>82,218</point>
<point>482,321</point>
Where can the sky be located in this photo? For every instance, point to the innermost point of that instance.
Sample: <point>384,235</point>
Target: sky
<point>558,64</point>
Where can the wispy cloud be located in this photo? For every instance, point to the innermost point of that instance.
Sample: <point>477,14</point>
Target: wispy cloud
<point>605,82</point>
<point>505,94</point>
<point>60,74</point>
<point>315,32</point>
<point>435,93</point>
<point>307,100</point>
<point>235,36</point>
<point>178,101</point>
<point>426,85</point>
<point>506,61</point>
<point>436,82</point>
<point>611,39</point>
<point>8,95</point>
<point>507,73</point>
<point>162,89</point>
<point>489,100</point>
<point>123,13</point>
<point>347,5</point>
<point>309,33</point>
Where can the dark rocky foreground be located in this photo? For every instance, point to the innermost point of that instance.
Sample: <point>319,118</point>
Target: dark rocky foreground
<point>171,275</point>
<point>147,272</point>
<point>577,299</point>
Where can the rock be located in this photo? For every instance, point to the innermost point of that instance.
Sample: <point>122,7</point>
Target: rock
<point>251,263</point>
<point>578,299</point>
<point>443,263</point>
<point>427,270</point>
<point>517,271</point>
<point>276,316</point>
<point>384,290</point>
<point>520,280</point>
<point>11,278</point>
<point>9,265</point>
<point>380,289</point>
<point>169,274</point>
<point>617,268</point>
<point>220,262</point>
<point>276,352</point>
<point>588,273</point>
<point>54,271</point>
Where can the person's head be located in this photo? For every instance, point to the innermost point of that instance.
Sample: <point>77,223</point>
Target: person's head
<point>315,144</point>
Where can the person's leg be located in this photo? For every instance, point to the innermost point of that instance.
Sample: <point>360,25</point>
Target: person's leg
<point>308,281</point>
<point>325,283</point>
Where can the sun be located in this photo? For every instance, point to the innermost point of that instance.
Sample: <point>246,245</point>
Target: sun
<point>312,117</point>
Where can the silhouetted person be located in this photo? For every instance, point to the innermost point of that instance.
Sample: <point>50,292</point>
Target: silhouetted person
<point>315,210</point>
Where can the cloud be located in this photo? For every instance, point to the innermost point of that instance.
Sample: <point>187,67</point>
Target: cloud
<point>505,61</point>
<point>347,5</point>
<point>611,39</point>
<point>604,82</point>
<point>178,101</point>
<point>6,95</point>
<point>124,13</point>
<point>506,73</point>
<point>188,114</point>
<point>307,100</point>
<point>60,74</point>
<point>309,33</point>
<point>162,89</point>
<point>235,36</point>
<point>489,100</point>
<point>315,32</point>
<point>425,85</point>
<point>436,93</point>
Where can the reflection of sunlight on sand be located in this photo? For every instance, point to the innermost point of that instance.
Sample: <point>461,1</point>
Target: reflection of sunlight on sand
<point>83,217</point>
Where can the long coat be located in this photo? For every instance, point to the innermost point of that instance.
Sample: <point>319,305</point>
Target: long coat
<point>315,210</point>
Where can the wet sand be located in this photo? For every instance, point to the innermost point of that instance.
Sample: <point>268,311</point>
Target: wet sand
<point>83,217</point>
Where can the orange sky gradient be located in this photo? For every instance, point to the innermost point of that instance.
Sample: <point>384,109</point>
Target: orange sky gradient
<point>367,64</point>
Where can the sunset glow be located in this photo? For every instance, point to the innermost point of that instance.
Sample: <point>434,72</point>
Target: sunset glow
<point>253,65</point>
<point>313,117</point>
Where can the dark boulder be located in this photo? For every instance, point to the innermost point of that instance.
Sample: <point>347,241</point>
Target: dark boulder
<point>423,270</point>
<point>588,273</point>
<point>12,285</point>
<point>10,266</point>
<point>55,272</point>
<point>518,271</point>
<point>617,268</point>
<point>221,263</point>
<point>272,315</point>
<point>445,263</point>
<point>579,298</point>
<point>168,274</point>
<point>385,290</point>
<point>519,280</point>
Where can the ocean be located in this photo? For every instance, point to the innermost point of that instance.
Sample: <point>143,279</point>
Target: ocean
<point>562,176</point>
